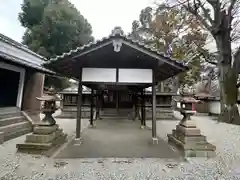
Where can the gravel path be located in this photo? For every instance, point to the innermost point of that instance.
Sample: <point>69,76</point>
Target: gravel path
<point>225,166</point>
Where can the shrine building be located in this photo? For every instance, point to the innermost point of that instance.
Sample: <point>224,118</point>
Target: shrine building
<point>22,80</point>
<point>117,69</point>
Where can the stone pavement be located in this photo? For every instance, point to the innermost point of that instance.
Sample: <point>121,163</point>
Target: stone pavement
<point>118,138</point>
<point>224,166</point>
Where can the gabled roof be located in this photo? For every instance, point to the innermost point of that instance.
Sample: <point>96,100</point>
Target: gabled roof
<point>116,51</point>
<point>117,33</point>
<point>18,53</point>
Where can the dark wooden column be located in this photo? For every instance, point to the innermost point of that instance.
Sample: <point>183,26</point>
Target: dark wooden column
<point>134,105</point>
<point>91,107</point>
<point>142,108</point>
<point>79,107</point>
<point>154,123</point>
<point>98,102</point>
<point>117,100</point>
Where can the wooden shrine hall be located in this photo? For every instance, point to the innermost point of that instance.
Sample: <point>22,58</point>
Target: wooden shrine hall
<point>119,64</point>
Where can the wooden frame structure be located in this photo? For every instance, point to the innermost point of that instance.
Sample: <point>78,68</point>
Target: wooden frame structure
<point>116,61</point>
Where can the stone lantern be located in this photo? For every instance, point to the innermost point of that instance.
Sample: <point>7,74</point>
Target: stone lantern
<point>49,107</point>
<point>46,133</point>
<point>187,136</point>
<point>187,105</point>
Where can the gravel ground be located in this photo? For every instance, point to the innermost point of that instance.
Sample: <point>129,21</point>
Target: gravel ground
<point>225,166</point>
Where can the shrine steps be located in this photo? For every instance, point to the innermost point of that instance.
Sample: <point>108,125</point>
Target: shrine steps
<point>114,114</point>
<point>13,124</point>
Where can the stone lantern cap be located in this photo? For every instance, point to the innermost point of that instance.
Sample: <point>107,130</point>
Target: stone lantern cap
<point>203,96</point>
<point>188,100</point>
<point>46,98</point>
<point>51,95</point>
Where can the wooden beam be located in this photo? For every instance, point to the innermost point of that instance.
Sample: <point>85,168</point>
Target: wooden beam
<point>79,107</point>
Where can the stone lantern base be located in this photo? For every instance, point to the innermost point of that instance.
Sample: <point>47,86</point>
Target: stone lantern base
<point>188,138</point>
<point>43,140</point>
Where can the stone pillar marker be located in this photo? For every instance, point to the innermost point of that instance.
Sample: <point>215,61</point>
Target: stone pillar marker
<point>46,133</point>
<point>187,136</point>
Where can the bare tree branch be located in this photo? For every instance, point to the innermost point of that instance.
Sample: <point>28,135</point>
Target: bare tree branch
<point>211,62</point>
<point>213,2</point>
<point>236,63</point>
<point>231,7</point>
<point>206,12</point>
<point>193,11</point>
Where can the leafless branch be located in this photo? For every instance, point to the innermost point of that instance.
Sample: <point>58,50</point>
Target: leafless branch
<point>205,11</point>
<point>236,63</point>
<point>231,7</point>
<point>213,2</point>
<point>211,62</point>
<point>193,11</point>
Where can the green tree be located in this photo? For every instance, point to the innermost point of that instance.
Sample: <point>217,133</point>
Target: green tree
<point>174,32</point>
<point>221,20</point>
<point>53,27</point>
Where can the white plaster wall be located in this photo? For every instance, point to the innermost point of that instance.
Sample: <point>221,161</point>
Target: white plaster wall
<point>135,75</point>
<point>214,107</point>
<point>98,75</point>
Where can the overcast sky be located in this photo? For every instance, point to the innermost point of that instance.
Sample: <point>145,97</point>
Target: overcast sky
<point>103,15</point>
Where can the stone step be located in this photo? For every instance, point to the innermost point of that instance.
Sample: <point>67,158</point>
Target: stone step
<point>9,109</point>
<point>15,127</point>
<point>113,117</point>
<point>188,131</point>
<point>200,146</point>
<point>199,153</point>
<point>12,135</point>
<point>188,139</point>
<point>9,114</point>
<point>115,111</point>
<point>41,146</point>
<point>43,138</point>
<point>11,120</point>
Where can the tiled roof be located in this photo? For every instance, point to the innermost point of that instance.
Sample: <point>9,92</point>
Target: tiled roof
<point>73,89</point>
<point>18,53</point>
<point>25,63</point>
<point>118,33</point>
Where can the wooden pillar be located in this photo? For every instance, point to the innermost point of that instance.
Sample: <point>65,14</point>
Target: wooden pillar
<point>154,123</point>
<point>102,100</point>
<point>142,109</point>
<point>91,107</point>
<point>98,99</point>
<point>117,101</point>
<point>79,107</point>
<point>134,106</point>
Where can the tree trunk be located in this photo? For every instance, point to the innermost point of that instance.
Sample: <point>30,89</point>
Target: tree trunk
<point>228,80</point>
<point>229,111</point>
